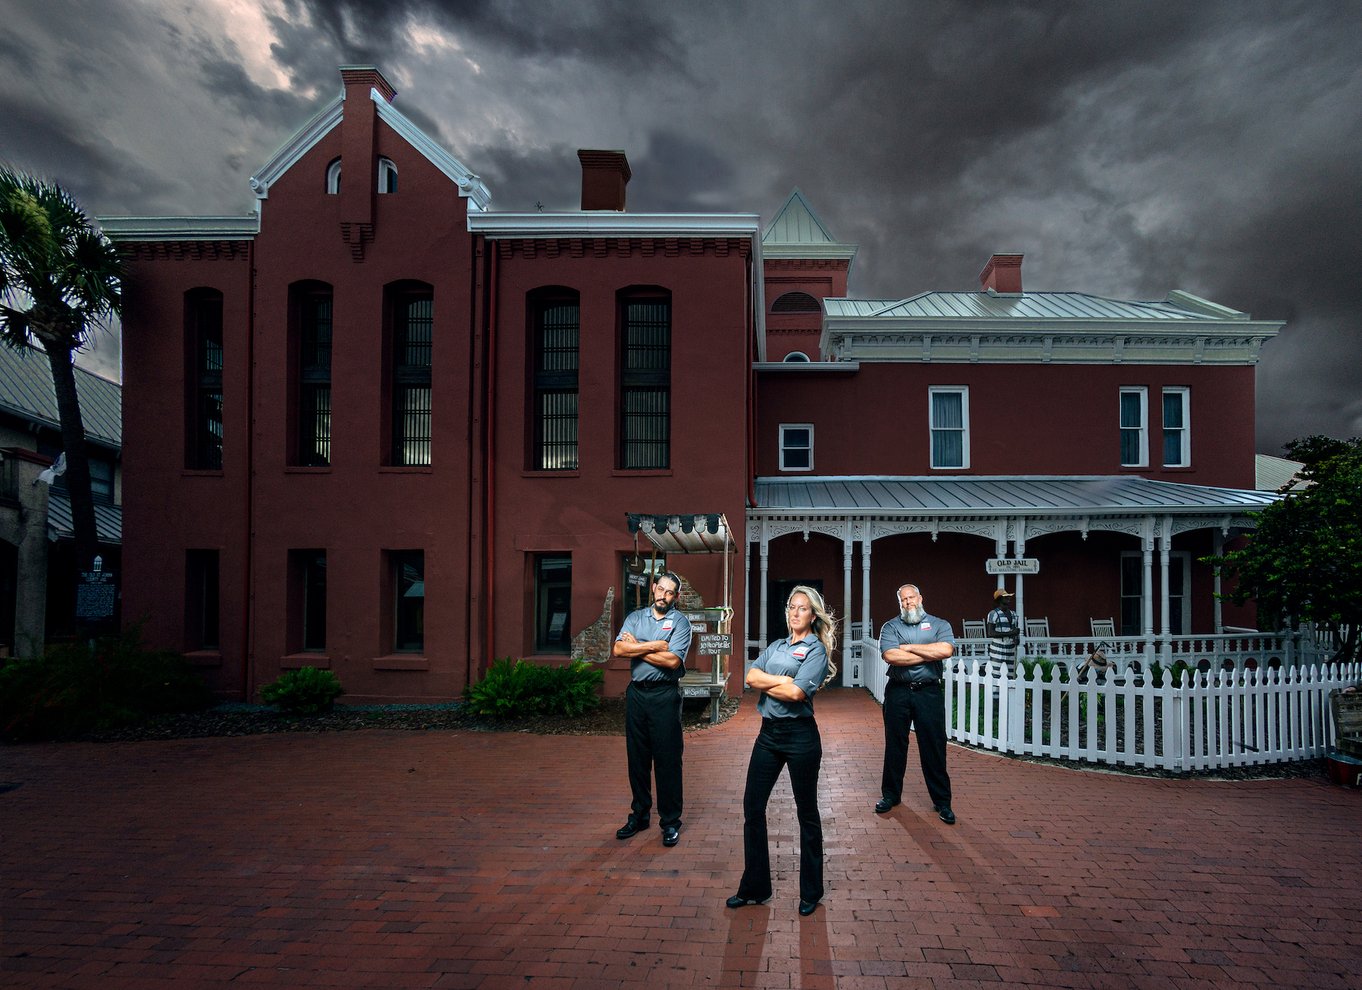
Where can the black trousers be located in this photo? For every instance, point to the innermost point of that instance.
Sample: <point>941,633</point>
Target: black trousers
<point>792,742</point>
<point>653,739</point>
<point>925,711</point>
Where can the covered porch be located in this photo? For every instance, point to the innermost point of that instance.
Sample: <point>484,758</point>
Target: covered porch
<point>1110,563</point>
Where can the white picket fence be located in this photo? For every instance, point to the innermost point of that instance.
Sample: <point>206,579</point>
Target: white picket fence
<point>1214,719</point>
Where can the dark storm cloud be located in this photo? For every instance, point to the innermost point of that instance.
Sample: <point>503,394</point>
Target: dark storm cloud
<point>623,32</point>
<point>1125,148</point>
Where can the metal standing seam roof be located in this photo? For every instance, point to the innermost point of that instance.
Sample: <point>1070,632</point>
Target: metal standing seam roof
<point>998,496</point>
<point>1028,306</point>
<point>108,519</point>
<point>26,391</point>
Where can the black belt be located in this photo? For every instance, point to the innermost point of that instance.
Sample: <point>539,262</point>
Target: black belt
<point>917,685</point>
<point>653,684</point>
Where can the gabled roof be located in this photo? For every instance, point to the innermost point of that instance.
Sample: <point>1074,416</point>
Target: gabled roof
<point>329,117</point>
<point>26,392</point>
<point>797,232</point>
<point>108,519</point>
<point>974,496</point>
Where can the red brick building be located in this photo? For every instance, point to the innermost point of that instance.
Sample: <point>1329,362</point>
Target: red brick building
<point>378,427</point>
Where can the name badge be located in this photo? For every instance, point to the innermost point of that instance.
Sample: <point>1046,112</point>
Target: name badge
<point>667,626</point>
<point>926,625</point>
<point>799,652</point>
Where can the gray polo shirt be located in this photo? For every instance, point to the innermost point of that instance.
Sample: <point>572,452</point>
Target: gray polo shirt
<point>645,626</point>
<point>898,633</point>
<point>806,661</point>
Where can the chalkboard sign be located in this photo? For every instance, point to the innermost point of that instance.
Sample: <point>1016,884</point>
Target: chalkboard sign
<point>715,644</point>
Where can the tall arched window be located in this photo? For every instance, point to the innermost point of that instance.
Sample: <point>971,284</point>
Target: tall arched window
<point>203,379</point>
<point>555,330</point>
<point>310,355</point>
<point>411,318</point>
<point>333,177</point>
<point>645,317</point>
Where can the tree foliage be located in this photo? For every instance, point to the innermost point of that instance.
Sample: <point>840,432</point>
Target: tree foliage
<point>60,280</point>
<point>1303,563</point>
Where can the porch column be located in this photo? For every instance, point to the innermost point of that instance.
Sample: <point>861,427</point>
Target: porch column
<point>1165,539</point>
<point>765,567</point>
<point>1218,549</point>
<point>866,631</point>
<point>1019,551</point>
<point>847,541</point>
<point>1147,589</point>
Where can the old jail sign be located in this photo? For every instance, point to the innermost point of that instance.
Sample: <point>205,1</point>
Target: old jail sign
<point>1008,565</point>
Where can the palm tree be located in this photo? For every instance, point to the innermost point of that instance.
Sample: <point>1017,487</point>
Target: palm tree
<point>60,280</point>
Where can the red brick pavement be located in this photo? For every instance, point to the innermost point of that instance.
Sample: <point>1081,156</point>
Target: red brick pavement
<point>444,860</point>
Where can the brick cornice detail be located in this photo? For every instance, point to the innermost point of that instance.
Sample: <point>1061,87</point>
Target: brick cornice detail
<point>183,250</point>
<point>357,234</point>
<point>798,264</point>
<point>623,247</point>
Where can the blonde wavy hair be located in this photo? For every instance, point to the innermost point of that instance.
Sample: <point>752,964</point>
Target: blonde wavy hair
<point>824,624</point>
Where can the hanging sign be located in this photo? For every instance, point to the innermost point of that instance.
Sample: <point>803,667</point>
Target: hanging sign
<point>1009,565</point>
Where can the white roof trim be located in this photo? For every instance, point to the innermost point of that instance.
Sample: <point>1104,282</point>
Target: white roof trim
<point>181,228</point>
<point>470,186</point>
<point>611,224</point>
<point>299,143</point>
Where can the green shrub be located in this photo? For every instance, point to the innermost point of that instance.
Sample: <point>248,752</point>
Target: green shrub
<point>73,689</point>
<point>1180,674</point>
<point>519,689</point>
<point>305,691</point>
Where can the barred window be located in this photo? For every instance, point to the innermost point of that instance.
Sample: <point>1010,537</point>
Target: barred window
<point>645,383</point>
<point>312,317</point>
<point>203,378</point>
<point>413,326</point>
<point>556,329</point>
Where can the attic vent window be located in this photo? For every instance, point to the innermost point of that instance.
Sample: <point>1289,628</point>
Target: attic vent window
<point>387,176</point>
<point>333,178</point>
<point>796,302</point>
<point>796,357</point>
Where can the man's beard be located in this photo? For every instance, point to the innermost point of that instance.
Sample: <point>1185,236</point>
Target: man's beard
<point>912,615</point>
<point>661,608</point>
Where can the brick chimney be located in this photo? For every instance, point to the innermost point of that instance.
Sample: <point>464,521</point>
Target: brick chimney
<point>1002,275</point>
<point>604,176</point>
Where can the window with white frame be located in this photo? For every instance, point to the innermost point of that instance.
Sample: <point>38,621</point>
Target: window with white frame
<point>333,177</point>
<point>1177,435</point>
<point>387,176</point>
<point>949,416</point>
<point>796,446</point>
<point>1134,419</point>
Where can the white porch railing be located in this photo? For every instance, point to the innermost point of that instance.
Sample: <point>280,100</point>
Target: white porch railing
<point>1210,719</point>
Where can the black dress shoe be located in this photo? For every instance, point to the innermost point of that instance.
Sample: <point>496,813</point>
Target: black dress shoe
<point>671,835</point>
<point>632,827</point>
<point>807,908</point>
<point>945,814</point>
<point>883,805</point>
<point>737,901</point>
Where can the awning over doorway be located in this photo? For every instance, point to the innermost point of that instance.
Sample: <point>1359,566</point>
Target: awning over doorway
<point>697,532</point>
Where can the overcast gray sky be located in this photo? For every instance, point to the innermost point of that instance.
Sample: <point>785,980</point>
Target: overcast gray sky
<point>1126,148</point>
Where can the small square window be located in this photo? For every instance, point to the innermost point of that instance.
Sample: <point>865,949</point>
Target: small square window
<point>796,446</point>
